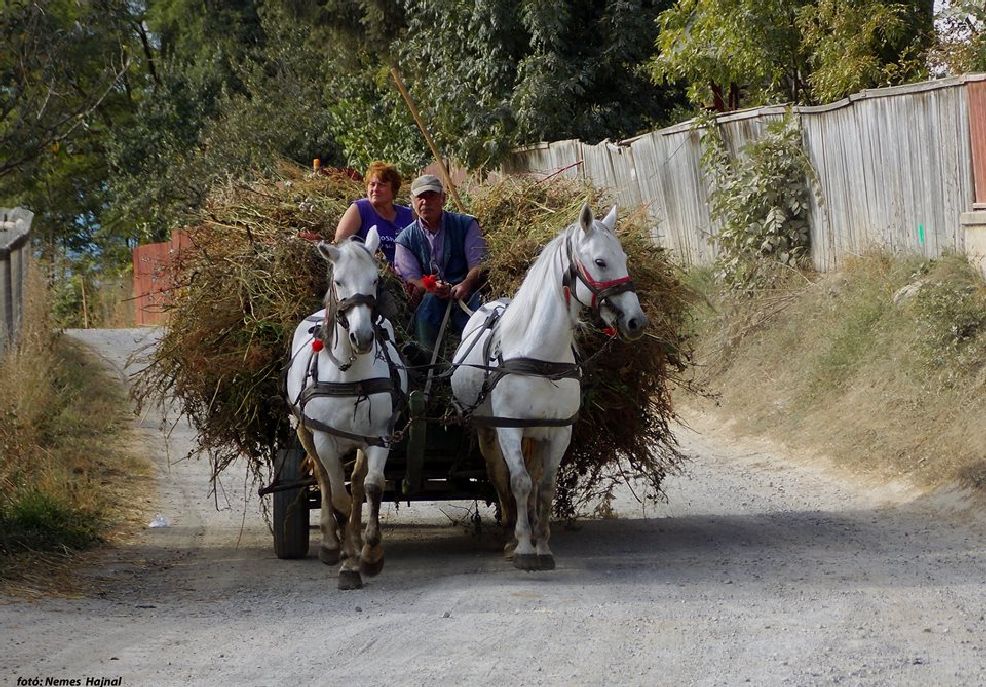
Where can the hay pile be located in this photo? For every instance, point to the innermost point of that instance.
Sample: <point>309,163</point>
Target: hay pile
<point>248,279</point>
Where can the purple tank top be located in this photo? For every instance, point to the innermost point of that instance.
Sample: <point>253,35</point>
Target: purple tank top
<point>386,229</point>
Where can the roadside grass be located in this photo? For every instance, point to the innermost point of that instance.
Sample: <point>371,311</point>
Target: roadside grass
<point>65,460</point>
<point>835,363</point>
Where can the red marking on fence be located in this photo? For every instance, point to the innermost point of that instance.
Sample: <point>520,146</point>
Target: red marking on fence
<point>976,91</point>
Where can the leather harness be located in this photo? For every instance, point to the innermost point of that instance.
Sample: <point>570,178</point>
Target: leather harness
<point>361,389</point>
<point>601,291</point>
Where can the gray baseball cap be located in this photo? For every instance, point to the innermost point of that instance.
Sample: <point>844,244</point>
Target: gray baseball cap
<point>425,183</point>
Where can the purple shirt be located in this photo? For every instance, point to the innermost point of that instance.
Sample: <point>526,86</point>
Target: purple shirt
<point>409,268</point>
<point>386,230</point>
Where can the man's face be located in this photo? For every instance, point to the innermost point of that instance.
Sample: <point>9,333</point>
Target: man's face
<point>429,206</point>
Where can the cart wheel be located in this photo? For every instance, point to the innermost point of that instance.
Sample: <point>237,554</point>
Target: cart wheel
<point>290,517</point>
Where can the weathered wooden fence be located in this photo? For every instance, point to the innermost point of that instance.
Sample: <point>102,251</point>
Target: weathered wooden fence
<point>15,252</point>
<point>896,167</point>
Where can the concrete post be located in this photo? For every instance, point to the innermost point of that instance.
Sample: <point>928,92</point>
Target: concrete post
<point>15,250</point>
<point>974,224</point>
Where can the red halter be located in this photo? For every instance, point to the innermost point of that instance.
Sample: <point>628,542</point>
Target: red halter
<point>601,290</point>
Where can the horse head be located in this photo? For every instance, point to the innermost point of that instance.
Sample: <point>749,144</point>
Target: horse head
<point>351,296</point>
<point>599,267</point>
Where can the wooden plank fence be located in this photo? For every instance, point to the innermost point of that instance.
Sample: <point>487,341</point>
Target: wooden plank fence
<point>896,167</point>
<point>15,253</point>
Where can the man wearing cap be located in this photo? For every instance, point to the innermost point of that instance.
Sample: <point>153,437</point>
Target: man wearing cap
<point>441,254</point>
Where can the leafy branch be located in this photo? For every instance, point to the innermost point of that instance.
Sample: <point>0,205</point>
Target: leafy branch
<point>760,199</point>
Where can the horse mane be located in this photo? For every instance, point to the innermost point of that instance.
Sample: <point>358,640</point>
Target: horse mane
<point>543,276</point>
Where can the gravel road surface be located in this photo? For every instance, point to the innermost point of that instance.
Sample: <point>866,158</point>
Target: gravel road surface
<point>760,569</point>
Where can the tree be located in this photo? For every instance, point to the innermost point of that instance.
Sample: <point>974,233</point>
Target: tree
<point>805,51</point>
<point>720,47</point>
<point>67,70</point>
<point>58,74</point>
<point>960,44</point>
<point>235,92</point>
<point>491,74</point>
<point>852,46</point>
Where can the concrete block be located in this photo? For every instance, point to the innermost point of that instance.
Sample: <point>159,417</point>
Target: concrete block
<point>974,224</point>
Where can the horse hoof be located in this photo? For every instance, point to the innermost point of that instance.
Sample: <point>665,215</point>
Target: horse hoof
<point>328,556</point>
<point>350,579</point>
<point>546,562</point>
<point>526,561</point>
<point>371,568</point>
<point>508,550</point>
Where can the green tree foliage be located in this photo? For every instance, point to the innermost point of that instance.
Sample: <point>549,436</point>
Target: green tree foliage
<point>852,46</point>
<point>537,70</point>
<point>741,52</point>
<point>720,46</point>
<point>68,71</point>
<point>235,108</point>
<point>491,74</point>
<point>583,74</point>
<point>59,77</point>
<point>761,200</point>
<point>961,40</point>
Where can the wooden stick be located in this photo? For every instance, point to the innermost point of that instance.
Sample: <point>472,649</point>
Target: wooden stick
<point>447,178</point>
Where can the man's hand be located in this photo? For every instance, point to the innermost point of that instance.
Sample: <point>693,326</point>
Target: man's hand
<point>433,285</point>
<point>460,291</point>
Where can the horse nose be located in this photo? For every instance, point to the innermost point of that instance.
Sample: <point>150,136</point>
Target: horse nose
<point>635,325</point>
<point>361,345</point>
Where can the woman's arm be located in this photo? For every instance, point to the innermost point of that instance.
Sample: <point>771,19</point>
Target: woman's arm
<point>349,224</point>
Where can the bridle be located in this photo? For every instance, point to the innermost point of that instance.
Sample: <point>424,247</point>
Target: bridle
<point>601,291</point>
<point>335,312</point>
<point>346,304</point>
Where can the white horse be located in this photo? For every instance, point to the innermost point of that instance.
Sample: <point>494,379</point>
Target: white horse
<point>516,375</point>
<point>345,388</point>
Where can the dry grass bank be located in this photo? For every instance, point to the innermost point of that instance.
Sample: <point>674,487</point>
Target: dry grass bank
<point>66,469</point>
<point>884,382</point>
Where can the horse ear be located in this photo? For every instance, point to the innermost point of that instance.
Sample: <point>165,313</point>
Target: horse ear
<point>328,251</point>
<point>586,219</point>
<point>609,221</point>
<point>372,241</point>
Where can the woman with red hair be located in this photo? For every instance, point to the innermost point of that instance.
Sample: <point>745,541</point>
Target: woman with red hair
<point>383,181</point>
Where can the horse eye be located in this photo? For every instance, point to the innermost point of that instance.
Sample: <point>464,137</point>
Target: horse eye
<point>337,282</point>
<point>600,262</point>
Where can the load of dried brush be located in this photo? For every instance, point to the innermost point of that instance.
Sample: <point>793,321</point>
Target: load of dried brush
<point>249,274</point>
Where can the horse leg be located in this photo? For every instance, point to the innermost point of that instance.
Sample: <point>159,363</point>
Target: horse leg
<point>530,448</point>
<point>371,557</point>
<point>328,550</point>
<point>349,575</point>
<point>496,468</point>
<point>525,555</point>
<point>331,458</point>
<point>551,453</point>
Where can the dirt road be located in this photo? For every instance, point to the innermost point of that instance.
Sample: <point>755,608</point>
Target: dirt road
<point>758,570</point>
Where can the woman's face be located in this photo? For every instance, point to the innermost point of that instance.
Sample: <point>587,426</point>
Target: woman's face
<point>379,191</point>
